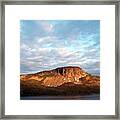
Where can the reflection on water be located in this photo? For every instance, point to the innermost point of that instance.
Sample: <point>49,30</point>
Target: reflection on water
<point>85,97</point>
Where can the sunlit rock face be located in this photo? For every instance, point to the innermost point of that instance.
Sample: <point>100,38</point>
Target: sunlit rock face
<point>59,76</point>
<point>71,72</point>
<point>60,81</point>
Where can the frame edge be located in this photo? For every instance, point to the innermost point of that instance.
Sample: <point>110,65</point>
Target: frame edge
<point>117,25</point>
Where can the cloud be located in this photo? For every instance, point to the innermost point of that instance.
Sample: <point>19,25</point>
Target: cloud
<point>46,25</point>
<point>61,44</point>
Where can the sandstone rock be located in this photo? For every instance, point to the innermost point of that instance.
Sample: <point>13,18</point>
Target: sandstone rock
<point>62,81</point>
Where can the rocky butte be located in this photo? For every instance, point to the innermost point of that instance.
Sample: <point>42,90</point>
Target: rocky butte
<point>62,81</point>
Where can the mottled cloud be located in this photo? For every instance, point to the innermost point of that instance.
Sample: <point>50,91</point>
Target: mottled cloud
<point>49,44</point>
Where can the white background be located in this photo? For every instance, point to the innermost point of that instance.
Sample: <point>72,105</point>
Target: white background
<point>104,106</point>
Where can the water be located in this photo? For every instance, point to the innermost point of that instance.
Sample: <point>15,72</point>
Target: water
<point>85,97</point>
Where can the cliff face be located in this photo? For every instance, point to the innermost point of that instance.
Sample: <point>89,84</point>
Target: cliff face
<point>58,76</point>
<point>63,80</point>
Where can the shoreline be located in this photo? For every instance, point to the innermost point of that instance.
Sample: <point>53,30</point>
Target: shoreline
<point>78,97</point>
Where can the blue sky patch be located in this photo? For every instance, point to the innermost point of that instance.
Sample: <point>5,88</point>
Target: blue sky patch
<point>48,44</point>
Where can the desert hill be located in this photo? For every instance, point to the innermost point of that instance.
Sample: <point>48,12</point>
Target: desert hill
<point>68,80</point>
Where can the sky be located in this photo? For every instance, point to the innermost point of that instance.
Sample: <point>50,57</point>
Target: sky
<point>48,44</point>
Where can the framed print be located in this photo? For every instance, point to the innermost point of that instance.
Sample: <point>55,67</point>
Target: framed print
<point>60,60</point>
